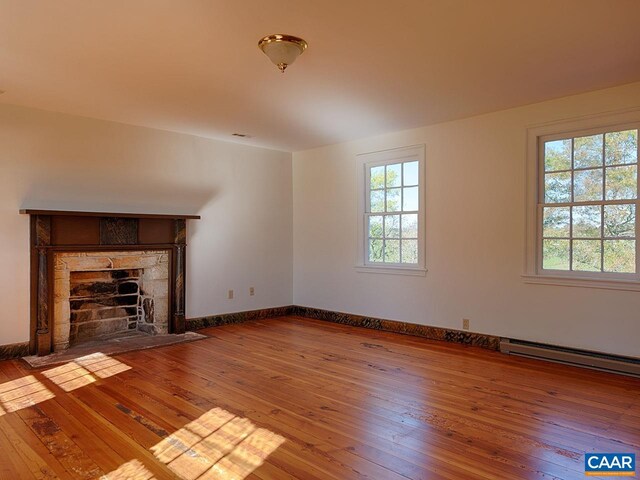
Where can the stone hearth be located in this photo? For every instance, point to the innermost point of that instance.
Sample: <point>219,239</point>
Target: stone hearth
<point>105,294</point>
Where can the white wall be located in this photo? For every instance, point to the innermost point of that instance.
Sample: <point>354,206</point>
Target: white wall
<point>475,221</point>
<point>244,195</point>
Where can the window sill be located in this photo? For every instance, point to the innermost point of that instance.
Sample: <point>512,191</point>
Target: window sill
<point>414,272</point>
<point>608,284</point>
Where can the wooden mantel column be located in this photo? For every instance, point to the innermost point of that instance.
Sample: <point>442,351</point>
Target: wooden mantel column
<point>42,229</point>
<point>179,263</point>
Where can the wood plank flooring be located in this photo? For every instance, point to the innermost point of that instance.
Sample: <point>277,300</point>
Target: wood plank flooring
<point>294,398</point>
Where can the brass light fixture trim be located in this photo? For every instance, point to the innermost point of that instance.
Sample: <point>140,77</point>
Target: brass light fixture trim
<point>282,49</point>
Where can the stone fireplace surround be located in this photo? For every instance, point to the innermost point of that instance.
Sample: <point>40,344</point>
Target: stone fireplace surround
<point>74,321</point>
<point>63,242</point>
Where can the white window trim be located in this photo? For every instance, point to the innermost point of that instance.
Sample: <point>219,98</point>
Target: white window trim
<point>533,272</point>
<point>365,160</point>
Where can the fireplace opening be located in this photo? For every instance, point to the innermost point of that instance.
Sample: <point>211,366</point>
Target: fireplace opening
<point>108,303</point>
<point>106,295</point>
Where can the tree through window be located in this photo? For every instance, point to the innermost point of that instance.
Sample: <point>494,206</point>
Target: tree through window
<point>392,208</point>
<point>588,197</point>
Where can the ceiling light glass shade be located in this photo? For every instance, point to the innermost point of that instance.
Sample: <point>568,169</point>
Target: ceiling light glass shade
<point>282,49</point>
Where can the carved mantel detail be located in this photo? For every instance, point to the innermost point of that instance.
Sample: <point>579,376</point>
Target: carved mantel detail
<point>63,231</point>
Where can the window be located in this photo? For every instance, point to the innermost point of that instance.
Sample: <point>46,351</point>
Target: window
<point>391,210</point>
<point>585,208</point>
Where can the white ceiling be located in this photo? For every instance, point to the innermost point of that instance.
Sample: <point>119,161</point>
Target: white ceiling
<point>371,67</point>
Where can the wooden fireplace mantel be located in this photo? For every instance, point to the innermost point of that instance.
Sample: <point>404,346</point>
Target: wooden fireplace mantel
<point>69,213</point>
<point>56,231</point>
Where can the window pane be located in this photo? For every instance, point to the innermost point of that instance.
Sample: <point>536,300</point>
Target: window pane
<point>377,177</point>
<point>376,250</point>
<point>620,256</point>
<point>409,251</point>
<point>620,220</point>
<point>392,251</point>
<point>555,254</point>
<point>622,183</point>
<point>557,155</point>
<point>411,173</point>
<point>590,238</point>
<point>586,221</point>
<point>587,185</point>
<point>557,187</point>
<point>587,151</point>
<point>410,226</point>
<point>393,200</point>
<point>394,173</point>
<point>392,226</point>
<point>586,255</point>
<point>377,200</point>
<point>375,226</point>
<point>621,147</point>
<point>556,222</point>
<point>410,200</point>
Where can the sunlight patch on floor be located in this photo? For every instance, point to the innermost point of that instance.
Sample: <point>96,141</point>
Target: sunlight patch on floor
<point>69,376</point>
<point>81,371</point>
<point>102,365</point>
<point>246,457</point>
<point>132,470</point>
<point>22,393</point>
<point>218,445</point>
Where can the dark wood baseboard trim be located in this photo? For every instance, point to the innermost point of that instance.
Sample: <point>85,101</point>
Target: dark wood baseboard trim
<point>237,317</point>
<point>433,333</point>
<point>489,342</point>
<point>18,350</point>
<point>14,350</point>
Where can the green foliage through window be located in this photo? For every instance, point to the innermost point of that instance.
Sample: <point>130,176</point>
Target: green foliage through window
<point>590,193</point>
<point>392,217</point>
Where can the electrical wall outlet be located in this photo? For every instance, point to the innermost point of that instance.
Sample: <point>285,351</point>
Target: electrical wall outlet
<point>230,295</point>
<point>252,291</point>
<point>465,324</point>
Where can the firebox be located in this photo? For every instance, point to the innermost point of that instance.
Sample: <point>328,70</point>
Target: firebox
<point>106,294</point>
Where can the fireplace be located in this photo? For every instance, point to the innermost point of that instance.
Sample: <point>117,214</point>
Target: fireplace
<point>102,275</point>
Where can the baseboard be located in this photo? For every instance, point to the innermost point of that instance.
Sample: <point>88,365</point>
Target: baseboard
<point>14,350</point>
<point>593,360</point>
<point>432,333</point>
<point>237,317</point>
<point>424,331</point>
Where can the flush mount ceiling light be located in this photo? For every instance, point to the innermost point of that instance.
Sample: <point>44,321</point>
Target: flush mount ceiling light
<point>282,49</point>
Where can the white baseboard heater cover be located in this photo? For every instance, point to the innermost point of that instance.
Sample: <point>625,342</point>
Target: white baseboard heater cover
<point>570,356</point>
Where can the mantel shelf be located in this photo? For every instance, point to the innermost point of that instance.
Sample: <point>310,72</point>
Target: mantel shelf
<point>109,214</point>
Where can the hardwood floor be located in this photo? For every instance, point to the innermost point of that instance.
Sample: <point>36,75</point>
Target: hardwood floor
<point>297,398</point>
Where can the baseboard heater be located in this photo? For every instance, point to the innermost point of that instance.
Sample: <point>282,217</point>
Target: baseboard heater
<point>570,356</point>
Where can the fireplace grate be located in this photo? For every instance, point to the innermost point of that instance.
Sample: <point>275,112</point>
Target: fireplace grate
<point>106,302</point>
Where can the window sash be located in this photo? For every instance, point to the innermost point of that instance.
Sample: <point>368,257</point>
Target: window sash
<point>541,204</point>
<point>391,157</point>
<point>368,213</point>
<point>399,238</point>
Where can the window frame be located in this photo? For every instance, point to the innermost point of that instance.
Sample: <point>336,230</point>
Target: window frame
<point>536,137</point>
<point>364,163</point>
